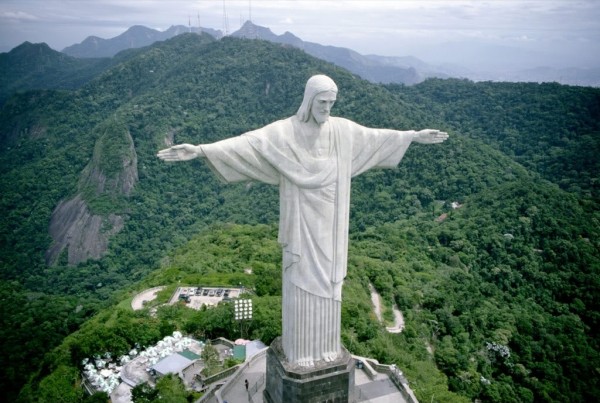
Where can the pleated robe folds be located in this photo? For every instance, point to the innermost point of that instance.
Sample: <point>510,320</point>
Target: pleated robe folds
<point>314,210</point>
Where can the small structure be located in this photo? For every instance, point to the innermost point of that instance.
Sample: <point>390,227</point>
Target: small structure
<point>184,363</point>
<point>245,349</point>
<point>176,354</point>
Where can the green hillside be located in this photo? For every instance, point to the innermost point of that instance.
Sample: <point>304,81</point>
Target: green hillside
<point>36,66</point>
<point>515,268</point>
<point>549,128</point>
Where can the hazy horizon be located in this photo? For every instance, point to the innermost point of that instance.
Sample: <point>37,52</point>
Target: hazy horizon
<point>509,33</point>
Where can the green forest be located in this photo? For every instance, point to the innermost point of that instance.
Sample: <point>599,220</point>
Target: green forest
<point>500,296</point>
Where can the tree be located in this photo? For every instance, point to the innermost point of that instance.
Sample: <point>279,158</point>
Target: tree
<point>170,389</point>
<point>98,397</point>
<point>210,356</point>
<point>143,393</point>
<point>61,386</point>
<point>266,320</point>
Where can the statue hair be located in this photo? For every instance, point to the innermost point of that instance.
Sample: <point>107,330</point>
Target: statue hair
<point>315,85</point>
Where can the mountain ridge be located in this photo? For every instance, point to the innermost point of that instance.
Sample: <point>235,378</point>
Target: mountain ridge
<point>37,66</point>
<point>379,69</point>
<point>136,36</point>
<point>406,70</point>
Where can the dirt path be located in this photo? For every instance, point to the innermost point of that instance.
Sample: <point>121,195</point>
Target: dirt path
<point>148,295</point>
<point>398,321</point>
<point>376,300</point>
<point>398,317</point>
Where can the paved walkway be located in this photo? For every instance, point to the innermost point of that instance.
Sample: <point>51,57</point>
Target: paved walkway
<point>377,390</point>
<point>235,391</point>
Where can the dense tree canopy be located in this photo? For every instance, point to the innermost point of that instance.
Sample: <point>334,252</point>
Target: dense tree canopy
<point>500,296</point>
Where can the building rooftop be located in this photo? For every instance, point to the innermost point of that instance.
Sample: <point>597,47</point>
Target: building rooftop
<point>173,364</point>
<point>190,355</point>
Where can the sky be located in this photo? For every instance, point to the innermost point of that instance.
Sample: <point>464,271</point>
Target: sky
<point>565,33</point>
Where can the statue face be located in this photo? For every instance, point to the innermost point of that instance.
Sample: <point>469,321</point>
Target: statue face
<point>321,106</point>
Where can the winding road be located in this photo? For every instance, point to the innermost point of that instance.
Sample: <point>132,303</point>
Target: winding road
<point>398,317</point>
<point>147,295</point>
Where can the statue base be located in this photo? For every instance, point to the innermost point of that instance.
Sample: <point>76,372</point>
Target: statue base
<point>323,382</point>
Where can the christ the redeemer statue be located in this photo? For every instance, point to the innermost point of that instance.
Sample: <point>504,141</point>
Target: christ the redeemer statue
<point>311,157</point>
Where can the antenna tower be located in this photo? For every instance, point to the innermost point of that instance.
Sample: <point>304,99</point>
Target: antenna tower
<point>225,21</point>
<point>252,32</point>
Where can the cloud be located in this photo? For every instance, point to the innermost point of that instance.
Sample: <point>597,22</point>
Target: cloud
<point>287,21</point>
<point>17,16</point>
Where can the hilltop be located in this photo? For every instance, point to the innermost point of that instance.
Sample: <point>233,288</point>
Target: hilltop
<point>136,36</point>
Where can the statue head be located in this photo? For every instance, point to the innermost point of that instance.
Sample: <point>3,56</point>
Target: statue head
<point>319,84</point>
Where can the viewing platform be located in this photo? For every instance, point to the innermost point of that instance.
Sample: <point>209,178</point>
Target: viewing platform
<point>374,383</point>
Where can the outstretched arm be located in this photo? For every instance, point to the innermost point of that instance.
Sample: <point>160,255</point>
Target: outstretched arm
<point>430,136</point>
<point>181,152</point>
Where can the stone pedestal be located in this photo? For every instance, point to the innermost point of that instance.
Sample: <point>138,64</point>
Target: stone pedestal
<point>322,383</point>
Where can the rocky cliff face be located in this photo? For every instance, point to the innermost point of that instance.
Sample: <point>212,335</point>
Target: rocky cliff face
<point>84,224</point>
<point>85,235</point>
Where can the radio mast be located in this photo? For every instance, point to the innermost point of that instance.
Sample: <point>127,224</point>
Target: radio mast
<point>225,21</point>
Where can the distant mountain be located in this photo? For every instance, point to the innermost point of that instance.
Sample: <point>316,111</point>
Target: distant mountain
<point>378,69</point>
<point>570,76</point>
<point>425,69</point>
<point>37,66</point>
<point>411,70</point>
<point>485,62</point>
<point>367,68</point>
<point>135,37</point>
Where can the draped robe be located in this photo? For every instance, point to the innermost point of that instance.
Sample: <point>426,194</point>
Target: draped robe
<point>314,211</point>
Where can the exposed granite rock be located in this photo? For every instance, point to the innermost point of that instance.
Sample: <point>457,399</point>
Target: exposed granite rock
<point>85,235</point>
<point>74,224</point>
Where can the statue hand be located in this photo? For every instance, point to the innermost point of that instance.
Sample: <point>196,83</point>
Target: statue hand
<point>430,136</point>
<point>181,152</point>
